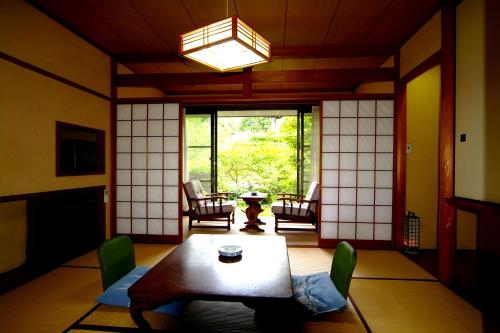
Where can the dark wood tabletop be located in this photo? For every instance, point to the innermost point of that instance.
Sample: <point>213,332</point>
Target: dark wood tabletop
<point>195,271</point>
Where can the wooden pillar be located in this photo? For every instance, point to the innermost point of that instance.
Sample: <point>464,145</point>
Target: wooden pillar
<point>446,211</point>
<point>399,190</point>
<point>112,136</point>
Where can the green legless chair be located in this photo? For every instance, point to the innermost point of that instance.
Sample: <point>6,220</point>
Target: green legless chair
<point>343,265</point>
<point>116,257</point>
<point>322,292</point>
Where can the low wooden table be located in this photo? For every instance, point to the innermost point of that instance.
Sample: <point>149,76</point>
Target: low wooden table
<point>195,271</point>
<point>253,210</point>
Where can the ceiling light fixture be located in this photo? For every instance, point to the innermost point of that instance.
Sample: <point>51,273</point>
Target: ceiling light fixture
<point>225,45</point>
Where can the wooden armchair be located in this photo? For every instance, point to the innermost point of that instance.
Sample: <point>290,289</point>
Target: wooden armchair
<point>296,208</point>
<point>208,207</point>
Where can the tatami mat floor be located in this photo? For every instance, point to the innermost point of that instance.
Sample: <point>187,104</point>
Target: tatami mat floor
<point>389,293</point>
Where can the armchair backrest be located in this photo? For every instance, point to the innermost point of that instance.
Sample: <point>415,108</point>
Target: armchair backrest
<point>313,194</point>
<point>193,190</point>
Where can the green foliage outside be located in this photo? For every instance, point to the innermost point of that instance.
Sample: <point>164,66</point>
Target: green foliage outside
<point>254,153</point>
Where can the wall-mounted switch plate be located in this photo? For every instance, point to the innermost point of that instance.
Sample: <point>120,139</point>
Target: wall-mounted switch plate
<point>409,148</point>
<point>106,196</point>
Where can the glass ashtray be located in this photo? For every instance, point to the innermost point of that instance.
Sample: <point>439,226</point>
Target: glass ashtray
<point>230,250</point>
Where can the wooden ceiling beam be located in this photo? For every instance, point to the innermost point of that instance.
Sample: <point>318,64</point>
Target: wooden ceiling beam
<point>352,75</point>
<point>278,53</point>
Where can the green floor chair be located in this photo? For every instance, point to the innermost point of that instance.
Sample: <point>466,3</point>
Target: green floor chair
<point>118,271</point>
<point>323,292</point>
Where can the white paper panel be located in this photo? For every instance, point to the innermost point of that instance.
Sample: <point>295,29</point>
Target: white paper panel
<point>139,128</point>
<point>329,213</point>
<point>170,177</point>
<point>171,111</point>
<point>384,126</point>
<point>365,196</point>
<point>330,143</point>
<point>124,112</point>
<point>348,143</point>
<point>384,144</point>
<point>155,128</point>
<point>139,111</point>
<point>155,226</point>
<point>170,194</point>
<point>366,161</point>
<point>139,209</point>
<point>139,145</point>
<point>123,209</point>
<point>170,210</point>
<point>366,144</point>
<point>383,196</point>
<point>154,161</point>
<point>347,230</point>
<point>155,145</point>
<point>123,193</point>
<point>383,232</point>
<point>139,193</point>
<point>383,214</point>
<point>384,179</point>
<point>366,109</point>
<point>330,126</point>
<point>171,144</point>
<point>348,126</point>
<point>154,194</point>
<point>330,178</point>
<point>139,226</point>
<point>366,126</point>
<point>348,108</point>
<point>347,196</point>
<point>365,213</point>
<point>384,161</point>
<point>366,178</point>
<point>123,145</point>
<point>348,161</point>
<point>330,161</point>
<point>385,109</point>
<point>329,230</point>
<point>154,210</point>
<point>364,231</point>
<point>155,111</point>
<point>122,177</point>
<point>347,178</point>
<point>139,161</point>
<point>154,177</point>
<point>171,161</point>
<point>138,177</point>
<point>329,196</point>
<point>123,161</point>
<point>331,109</point>
<point>347,213</point>
<point>170,227</point>
<point>123,128</point>
<point>171,127</point>
<point>123,226</point>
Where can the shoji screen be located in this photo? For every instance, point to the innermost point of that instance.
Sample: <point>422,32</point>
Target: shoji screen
<point>357,170</point>
<point>147,169</point>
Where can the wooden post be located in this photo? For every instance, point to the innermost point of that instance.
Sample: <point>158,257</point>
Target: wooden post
<point>399,164</point>
<point>446,211</point>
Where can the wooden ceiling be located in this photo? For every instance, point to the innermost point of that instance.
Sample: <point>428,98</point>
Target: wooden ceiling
<point>314,36</point>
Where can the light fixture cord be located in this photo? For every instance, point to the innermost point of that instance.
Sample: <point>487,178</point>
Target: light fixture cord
<point>227,8</point>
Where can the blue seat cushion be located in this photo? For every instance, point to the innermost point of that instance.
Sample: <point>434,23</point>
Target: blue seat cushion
<point>117,295</point>
<point>317,293</point>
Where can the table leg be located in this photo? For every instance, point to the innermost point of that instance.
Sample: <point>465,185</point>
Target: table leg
<point>252,212</point>
<point>138,318</point>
